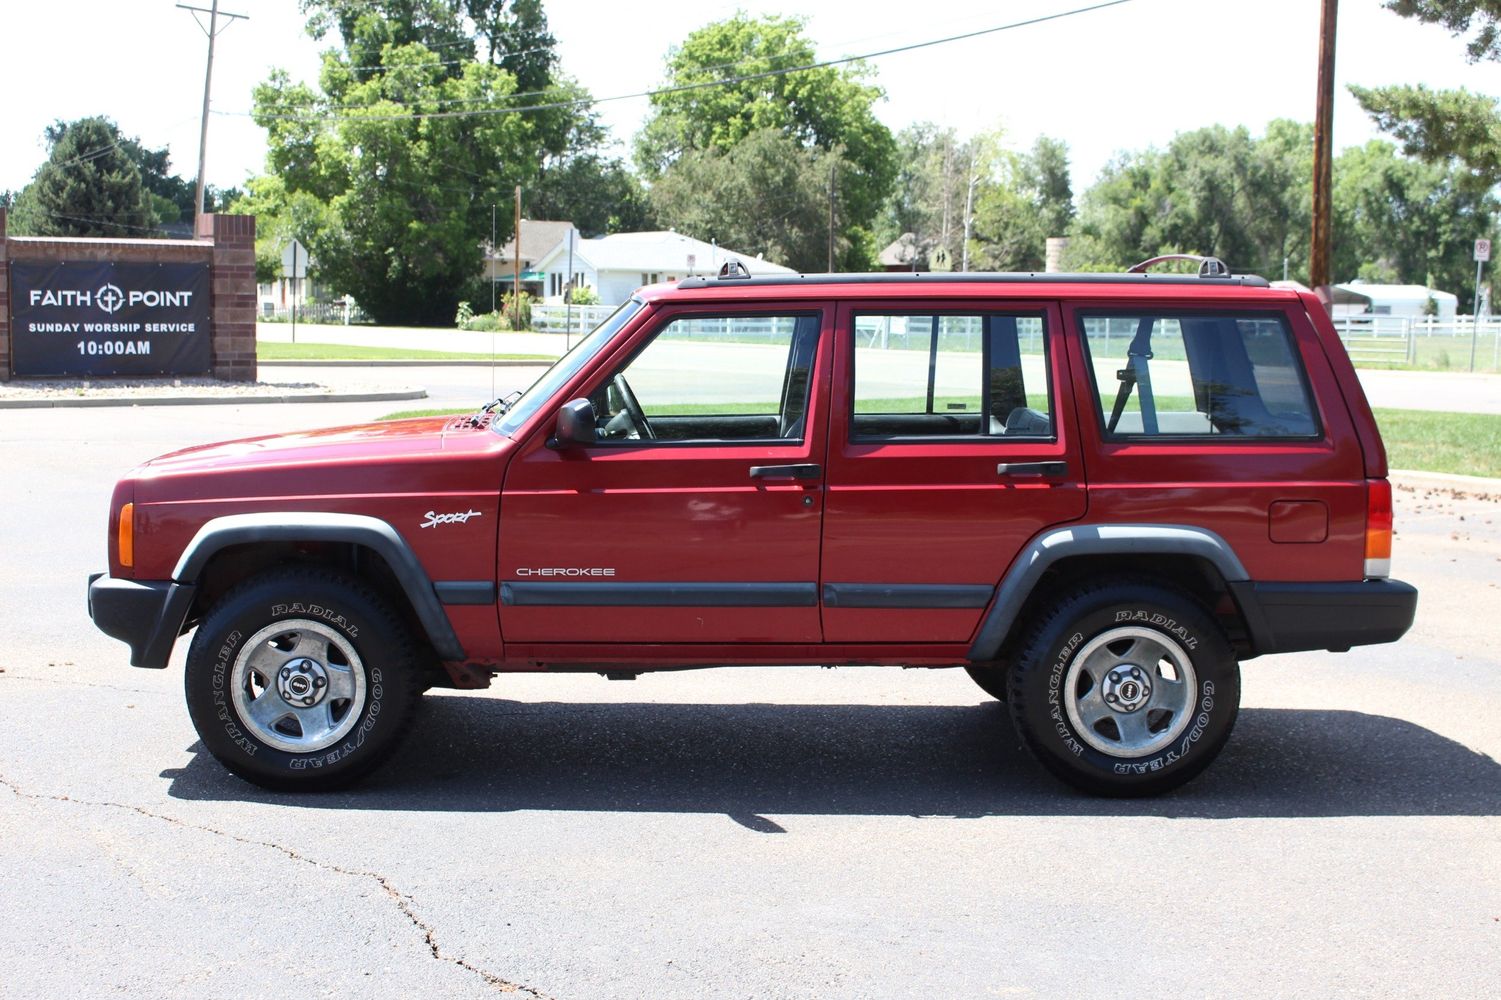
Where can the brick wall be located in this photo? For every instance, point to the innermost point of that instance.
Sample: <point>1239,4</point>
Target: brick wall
<point>225,242</point>
<point>233,238</point>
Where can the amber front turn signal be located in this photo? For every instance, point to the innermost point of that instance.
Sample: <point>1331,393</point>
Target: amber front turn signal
<point>126,535</point>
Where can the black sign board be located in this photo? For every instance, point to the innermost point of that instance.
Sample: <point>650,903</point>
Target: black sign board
<point>109,319</point>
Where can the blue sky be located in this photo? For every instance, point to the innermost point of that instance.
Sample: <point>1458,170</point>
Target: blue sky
<point>1106,81</point>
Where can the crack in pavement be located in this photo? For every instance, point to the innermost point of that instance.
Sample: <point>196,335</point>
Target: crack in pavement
<point>7,673</point>
<point>403,902</point>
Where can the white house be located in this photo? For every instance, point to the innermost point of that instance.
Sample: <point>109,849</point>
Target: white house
<point>1358,298</point>
<point>615,266</point>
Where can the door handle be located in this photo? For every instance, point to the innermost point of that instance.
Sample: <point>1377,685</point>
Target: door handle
<point>808,471</point>
<point>1038,470</point>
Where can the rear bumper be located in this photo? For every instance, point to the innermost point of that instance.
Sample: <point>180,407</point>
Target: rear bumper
<point>1289,617</point>
<point>145,615</point>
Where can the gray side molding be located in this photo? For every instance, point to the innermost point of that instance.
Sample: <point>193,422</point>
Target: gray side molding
<point>314,526</point>
<point>1094,540</point>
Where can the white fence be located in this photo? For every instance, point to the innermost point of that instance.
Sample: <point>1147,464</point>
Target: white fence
<point>1460,344</point>
<point>572,320</point>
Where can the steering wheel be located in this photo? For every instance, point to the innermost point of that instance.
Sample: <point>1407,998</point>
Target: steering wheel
<point>632,406</point>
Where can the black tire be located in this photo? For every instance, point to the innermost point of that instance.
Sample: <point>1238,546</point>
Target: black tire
<point>270,665</point>
<point>991,679</point>
<point>1122,641</point>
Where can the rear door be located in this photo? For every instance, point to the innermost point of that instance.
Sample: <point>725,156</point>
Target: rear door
<point>695,517</point>
<point>952,444</point>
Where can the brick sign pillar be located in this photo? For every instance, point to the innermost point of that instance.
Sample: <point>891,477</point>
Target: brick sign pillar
<point>233,237</point>
<point>4,305</point>
<point>226,243</point>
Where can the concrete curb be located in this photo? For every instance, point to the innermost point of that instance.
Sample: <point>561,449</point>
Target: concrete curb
<point>500,363</point>
<point>61,402</point>
<point>1445,481</point>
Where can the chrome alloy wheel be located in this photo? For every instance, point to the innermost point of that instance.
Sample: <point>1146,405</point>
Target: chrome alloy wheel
<point>298,686</point>
<point>1130,692</point>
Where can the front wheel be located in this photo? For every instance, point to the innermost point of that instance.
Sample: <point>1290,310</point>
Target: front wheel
<point>1126,688</point>
<point>301,679</point>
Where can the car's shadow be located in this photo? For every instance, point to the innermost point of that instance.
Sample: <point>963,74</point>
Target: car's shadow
<point>759,760</point>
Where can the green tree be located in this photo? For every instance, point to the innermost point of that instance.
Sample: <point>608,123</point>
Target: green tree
<point>829,109</point>
<point>1459,16</point>
<point>1021,200</point>
<point>1446,125</point>
<point>1440,125</point>
<point>927,199</point>
<point>1398,219</point>
<point>90,185</point>
<point>764,195</point>
<point>388,171</point>
<point>597,194</point>
<point>1215,191</point>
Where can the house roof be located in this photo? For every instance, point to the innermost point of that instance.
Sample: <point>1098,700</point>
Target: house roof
<point>666,252</point>
<point>903,250</point>
<point>537,237</point>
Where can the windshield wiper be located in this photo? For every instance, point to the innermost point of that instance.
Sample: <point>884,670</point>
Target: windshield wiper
<point>499,404</point>
<point>504,402</point>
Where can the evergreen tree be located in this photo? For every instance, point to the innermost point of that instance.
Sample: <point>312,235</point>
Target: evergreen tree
<point>90,185</point>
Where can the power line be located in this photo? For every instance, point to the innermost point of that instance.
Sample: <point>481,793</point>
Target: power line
<point>681,88</point>
<point>111,222</point>
<point>455,62</point>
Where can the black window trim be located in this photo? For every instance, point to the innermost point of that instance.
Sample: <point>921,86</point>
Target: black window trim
<point>1040,313</point>
<point>1181,312</point>
<point>816,312</point>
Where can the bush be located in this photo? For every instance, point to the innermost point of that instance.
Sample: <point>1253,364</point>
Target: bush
<point>517,310</point>
<point>464,317</point>
<point>487,323</point>
<point>583,295</point>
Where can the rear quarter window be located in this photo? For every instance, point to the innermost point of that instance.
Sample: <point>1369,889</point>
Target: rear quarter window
<point>1177,374</point>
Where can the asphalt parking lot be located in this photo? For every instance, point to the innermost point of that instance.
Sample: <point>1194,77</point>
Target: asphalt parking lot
<point>735,833</point>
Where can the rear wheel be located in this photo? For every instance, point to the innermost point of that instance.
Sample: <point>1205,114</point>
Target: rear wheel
<point>1128,688</point>
<point>301,679</point>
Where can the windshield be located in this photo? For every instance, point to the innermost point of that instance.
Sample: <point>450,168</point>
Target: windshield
<point>564,369</point>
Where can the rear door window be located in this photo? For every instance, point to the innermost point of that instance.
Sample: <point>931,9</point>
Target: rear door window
<point>1192,375</point>
<point>949,375</point>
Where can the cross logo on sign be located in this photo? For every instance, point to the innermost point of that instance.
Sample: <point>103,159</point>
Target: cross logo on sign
<point>110,298</point>
<point>1482,250</point>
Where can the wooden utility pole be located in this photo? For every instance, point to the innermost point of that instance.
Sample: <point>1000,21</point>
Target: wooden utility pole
<point>516,284</point>
<point>1323,157</point>
<point>212,30</point>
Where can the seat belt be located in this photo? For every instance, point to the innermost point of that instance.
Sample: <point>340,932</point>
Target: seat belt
<point>1136,371</point>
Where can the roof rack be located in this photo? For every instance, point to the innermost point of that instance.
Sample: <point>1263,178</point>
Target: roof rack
<point>1209,267</point>
<point>1133,277</point>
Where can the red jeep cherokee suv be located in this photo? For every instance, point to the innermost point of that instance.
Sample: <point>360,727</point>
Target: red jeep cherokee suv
<point>1095,493</point>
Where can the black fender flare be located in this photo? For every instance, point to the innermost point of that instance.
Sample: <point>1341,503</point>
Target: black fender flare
<point>314,526</point>
<point>1093,540</point>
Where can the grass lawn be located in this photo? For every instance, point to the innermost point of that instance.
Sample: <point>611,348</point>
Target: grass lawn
<point>1466,444</point>
<point>408,414</point>
<point>276,351</point>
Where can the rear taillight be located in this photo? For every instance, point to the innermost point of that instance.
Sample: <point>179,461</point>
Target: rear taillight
<point>1378,528</point>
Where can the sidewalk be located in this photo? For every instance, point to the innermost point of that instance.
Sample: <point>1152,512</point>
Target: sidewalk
<point>414,338</point>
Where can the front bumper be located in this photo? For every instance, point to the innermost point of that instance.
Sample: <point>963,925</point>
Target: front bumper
<point>1290,617</point>
<point>146,615</point>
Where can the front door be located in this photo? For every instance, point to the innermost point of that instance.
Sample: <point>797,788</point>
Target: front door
<point>952,446</point>
<point>694,518</point>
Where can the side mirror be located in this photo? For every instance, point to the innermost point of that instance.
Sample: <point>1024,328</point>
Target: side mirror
<point>575,424</point>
